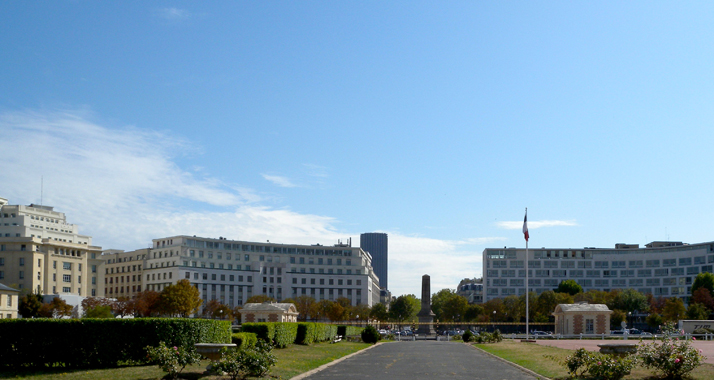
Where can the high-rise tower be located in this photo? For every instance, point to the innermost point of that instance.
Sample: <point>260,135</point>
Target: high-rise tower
<point>376,243</point>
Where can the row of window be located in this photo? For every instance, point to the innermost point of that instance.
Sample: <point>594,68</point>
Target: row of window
<point>576,273</point>
<point>266,248</point>
<point>621,283</point>
<point>534,264</point>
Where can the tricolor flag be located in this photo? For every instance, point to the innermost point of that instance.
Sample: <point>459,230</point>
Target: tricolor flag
<point>525,226</point>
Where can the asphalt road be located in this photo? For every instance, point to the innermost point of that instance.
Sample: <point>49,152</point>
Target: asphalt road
<point>422,360</point>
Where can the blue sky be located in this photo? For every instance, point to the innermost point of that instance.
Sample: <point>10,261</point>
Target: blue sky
<point>309,122</point>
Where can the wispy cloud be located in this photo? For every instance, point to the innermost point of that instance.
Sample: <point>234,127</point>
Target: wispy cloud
<point>279,180</point>
<point>517,225</point>
<point>173,14</point>
<point>123,189</point>
<point>316,170</point>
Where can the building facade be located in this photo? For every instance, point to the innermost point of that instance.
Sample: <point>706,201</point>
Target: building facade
<point>471,289</point>
<point>664,269</point>
<point>9,301</point>
<point>377,244</point>
<point>41,252</point>
<point>231,271</point>
<point>123,272</point>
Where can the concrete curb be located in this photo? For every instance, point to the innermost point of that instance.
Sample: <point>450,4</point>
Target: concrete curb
<point>327,365</point>
<point>524,369</point>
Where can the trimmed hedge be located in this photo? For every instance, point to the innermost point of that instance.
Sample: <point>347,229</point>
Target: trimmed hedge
<point>349,330</point>
<point>263,330</point>
<point>99,343</point>
<point>309,332</point>
<point>244,340</point>
<point>285,334</point>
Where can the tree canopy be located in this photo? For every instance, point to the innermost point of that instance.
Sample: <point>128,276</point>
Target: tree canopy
<point>704,280</point>
<point>404,308</point>
<point>569,286</point>
<point>180,299</point>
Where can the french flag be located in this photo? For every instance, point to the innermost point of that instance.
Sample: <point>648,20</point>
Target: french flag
<point>525,226</point>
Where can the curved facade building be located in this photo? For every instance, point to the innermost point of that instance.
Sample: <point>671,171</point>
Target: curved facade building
<point>664,269</point>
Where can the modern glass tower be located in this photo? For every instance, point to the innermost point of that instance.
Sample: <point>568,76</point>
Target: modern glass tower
<point>376,243</point>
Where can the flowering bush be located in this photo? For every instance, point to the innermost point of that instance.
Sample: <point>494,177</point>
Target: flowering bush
<point>610,367</point>
<point>254,361</point>
<point>578,361</point>
<point>172,359</point>
<point>673,358</point>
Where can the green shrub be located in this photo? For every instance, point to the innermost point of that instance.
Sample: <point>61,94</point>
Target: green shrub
<point>468,336</point>
<point>610,367</point>
<point>285,334</point>
<point>577,363</point>
<point>172,359</point>
<point>349,330</point>
<point>370,335</point>
<point>673,358</point>
<point>99,343</point>
<point>244,340</point>
<point>263,330</point>
<point>306,333</point>
<point>254,361</point>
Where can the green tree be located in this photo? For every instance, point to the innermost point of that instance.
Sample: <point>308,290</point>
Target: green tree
<point>336,312</point>
<point>654,320</point>
<point>569,286</point>
<point>305,306</point>
<point>323,309</point>
<point>616,319</point>
<point>180,299</point>
<point>437,301</point>
<point>472,313</point>
<point>673,310</point>
<point>630,300</point>
<point>30,305</point>
<point>698,312</point>
<point>514,308</point>
<point>361,312</point>
<point>594,296</point>
<point>704,297</point>
<point>703,280</point>
<point>404,308</point>
<point>379,312</point>
<point>260,298</point>
<point>494,310</point>
<point>99,311</point>
<point>454,309</point>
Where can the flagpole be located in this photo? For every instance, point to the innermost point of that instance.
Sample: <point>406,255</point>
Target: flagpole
<point>527,308</point>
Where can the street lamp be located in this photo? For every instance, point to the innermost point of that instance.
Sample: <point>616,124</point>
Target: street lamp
<point>493,321</point>
<point>629,317</point>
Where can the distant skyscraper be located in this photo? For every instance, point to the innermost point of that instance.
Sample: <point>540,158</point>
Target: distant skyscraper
<point>376,244</point>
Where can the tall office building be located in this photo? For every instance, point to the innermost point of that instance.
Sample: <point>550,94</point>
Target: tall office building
<point>376,243</point>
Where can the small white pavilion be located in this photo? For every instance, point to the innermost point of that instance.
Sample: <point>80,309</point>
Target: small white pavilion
<point>269,312</point>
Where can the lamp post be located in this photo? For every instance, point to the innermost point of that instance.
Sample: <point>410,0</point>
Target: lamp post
<point>629,317</point>
<point>493,321</point>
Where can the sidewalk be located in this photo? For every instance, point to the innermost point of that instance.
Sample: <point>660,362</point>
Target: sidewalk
<point>591,345</point>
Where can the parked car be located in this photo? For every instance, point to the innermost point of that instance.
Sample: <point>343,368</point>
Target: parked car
<point>617,332</point>
<point>541,333</point>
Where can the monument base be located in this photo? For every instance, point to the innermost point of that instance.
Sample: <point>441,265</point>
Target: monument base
<point>426,325</point>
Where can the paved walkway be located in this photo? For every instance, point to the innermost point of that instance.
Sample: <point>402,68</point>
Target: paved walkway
<point>422,360</point>
<point>591,345</point>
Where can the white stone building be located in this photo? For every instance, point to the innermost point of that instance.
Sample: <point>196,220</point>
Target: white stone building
<point>9,300</point>
<point>40,251</point>
<point>232,271</point>
<point>661,268</point>
<point>269,312</point>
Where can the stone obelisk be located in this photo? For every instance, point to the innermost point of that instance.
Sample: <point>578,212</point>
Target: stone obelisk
<point>426,316</point>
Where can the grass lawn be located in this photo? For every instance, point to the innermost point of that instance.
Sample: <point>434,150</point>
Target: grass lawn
<point>536,358</point>
<point>292,361</point>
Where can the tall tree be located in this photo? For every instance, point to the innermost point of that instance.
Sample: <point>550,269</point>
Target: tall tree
<point>404,308</point>
<point>697,312</point>
<point>361,312</point>
<point>630,300</point>
<point>182,299</point>
<point>438,300</point>
<point>673,310</point>
<point>704,280</point>
<point>379,312</point>
<point>569,286</point>
<point>454,309</point>
<point>704,297</point>
<point>30,305</point>
<point>494,310</point>
<point>260,298</point>
<point>323,309</point>
<point>123,306</point>
<point>304,306</point>
<point>146,303</point>
<point>473,312</point>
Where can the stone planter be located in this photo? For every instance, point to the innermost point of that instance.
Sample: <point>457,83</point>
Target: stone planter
<point>212,351</point>
<point>618,349</point>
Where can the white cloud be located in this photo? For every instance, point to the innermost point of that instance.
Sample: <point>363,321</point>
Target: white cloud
<point>532,225</point>
<point>123,187</point>
<point>316,170</point>
<point>173,14</point>
<point>279,180</point>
